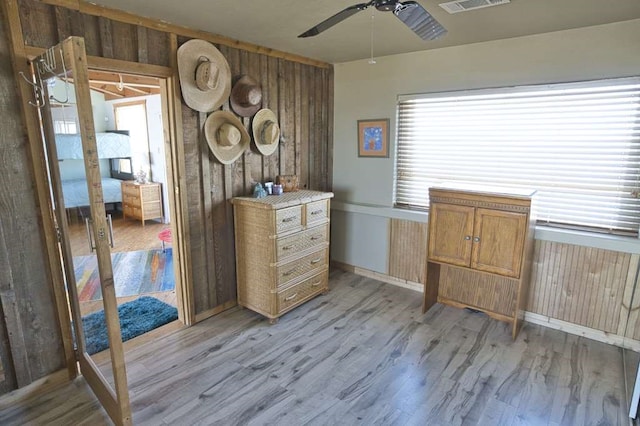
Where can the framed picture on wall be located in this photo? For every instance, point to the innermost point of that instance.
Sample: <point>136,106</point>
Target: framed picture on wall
<point>373,138</point>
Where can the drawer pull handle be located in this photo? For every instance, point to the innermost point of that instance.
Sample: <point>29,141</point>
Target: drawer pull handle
<point>313,262</point>
<point>316,284</point>
<point>315,237</point>
<point>293,296</point>
<point>467,237</point>
<point>286,274</point>
<point>287,247</point>
<point>288,219</point>
<point>315,212</point>
<point>476,239</point>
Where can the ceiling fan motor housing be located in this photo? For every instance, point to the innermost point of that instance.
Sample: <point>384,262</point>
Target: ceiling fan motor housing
<point>385,5</point>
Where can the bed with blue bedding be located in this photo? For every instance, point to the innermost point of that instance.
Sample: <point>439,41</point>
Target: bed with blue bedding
<point>111,146</point>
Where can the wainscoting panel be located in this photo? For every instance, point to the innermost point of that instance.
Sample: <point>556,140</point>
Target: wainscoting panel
<point>582,285</point>
<point>408,250</point>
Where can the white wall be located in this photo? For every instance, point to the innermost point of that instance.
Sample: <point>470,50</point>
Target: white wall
<point>157,163</point>
<point>364,91</point>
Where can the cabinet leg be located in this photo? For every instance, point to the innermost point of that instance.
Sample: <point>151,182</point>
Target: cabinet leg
<point>431,286</point>
<point>273,320</point>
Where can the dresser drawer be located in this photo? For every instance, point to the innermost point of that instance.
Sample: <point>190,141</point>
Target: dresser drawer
<point>152,210</point>
<point>302,291</point>
<point>131,200</point>
<point>289,219</point>
<point>317,211</point>
<point>294,269</point>
<point>130,189</point>
<point>132,211</point>
<point>150,193</point>
<point>289,246</point>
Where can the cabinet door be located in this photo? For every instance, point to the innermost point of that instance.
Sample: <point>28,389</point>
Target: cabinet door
<point>450,229</point>
<point>498,241</point>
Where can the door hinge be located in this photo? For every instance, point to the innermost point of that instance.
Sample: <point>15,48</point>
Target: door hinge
<point>58,234</point>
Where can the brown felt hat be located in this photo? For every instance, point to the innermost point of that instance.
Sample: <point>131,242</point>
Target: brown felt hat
<point>246,96</point>
<point>205,76</point>
<point>266,132</point>
<point>226,136</point>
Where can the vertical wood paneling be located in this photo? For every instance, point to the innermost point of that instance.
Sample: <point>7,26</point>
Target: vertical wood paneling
<point>158,42</point>
<point>581,285</point>
<point>274,104</point>
<point>255,158</point>
<point>125,46</point>
<point>143,48</point>
<point>91,34</point>
<point>31,340</point>
<point>298,94</point>
<point>106,37</point>
<point>38,23</point>
<point>408,250</point>
<point>304,125</point>
<point>193,157</point>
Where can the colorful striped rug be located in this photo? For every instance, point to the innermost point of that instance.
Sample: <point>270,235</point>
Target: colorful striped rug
<point>134,272</point>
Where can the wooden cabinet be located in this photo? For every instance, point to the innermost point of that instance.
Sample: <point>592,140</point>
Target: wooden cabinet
<point>282,250</point>
<point>141,201</point>
<point>480,243</point>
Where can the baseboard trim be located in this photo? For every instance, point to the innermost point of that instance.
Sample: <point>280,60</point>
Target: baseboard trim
<point>38,387</point>
<point>580,330</point>
<point>378,276</point>
<point>556,324</point>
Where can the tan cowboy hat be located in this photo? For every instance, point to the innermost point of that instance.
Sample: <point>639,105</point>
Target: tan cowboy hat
<point>226,136</point>
<point>246,96</point>
<point>266,131</point>
<point>205,76</point>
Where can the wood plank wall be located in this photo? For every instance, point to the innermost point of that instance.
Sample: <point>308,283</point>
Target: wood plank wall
<point>408,243</point>
<point>301,95</point>
<point>30,341</point>
<point>581,285</point>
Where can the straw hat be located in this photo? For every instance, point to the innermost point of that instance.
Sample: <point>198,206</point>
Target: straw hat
<point>266,131</point>
<point>226,136</point>
<point>246,96</point>
<point>205,76</point>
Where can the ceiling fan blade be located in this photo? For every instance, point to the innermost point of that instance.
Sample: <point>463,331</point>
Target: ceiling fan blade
<point>414,16</point>
<point>338,17</point>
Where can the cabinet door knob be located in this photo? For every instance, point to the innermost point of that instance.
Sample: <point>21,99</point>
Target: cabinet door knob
<point>476,239</point>
<point>467,237</point>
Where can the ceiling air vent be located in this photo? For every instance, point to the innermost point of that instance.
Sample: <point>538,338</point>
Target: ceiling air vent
<point>466,5</point>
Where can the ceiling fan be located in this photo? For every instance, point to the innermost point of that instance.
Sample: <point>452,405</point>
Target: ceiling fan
<point>411,13</point>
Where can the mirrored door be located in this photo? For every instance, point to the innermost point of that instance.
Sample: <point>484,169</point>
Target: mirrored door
<point>103,365</point>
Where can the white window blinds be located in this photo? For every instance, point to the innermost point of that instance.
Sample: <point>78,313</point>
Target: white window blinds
<point>578,144</point>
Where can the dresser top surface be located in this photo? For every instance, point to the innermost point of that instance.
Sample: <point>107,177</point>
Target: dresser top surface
<point>287,199</point>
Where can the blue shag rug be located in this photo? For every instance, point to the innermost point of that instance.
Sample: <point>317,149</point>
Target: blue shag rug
<point>136,317</point>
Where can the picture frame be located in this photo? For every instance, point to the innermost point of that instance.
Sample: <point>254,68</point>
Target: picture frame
<point>373,138</point>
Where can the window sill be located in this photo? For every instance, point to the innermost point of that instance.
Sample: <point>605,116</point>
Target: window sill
<point>543,233</point>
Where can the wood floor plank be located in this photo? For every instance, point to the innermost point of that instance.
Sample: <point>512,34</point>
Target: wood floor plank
<point>361,354</point>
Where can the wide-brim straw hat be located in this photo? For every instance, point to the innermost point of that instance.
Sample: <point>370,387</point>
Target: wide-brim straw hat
<point>246,96</point>
<point>266,132</point>
<point>205,76</point>
<point>226,136</point>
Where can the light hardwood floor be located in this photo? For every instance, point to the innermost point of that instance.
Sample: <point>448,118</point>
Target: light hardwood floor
<point>362,354</point>
<point>129,234</point>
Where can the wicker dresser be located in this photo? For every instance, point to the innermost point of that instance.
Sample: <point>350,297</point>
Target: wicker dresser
<point>282,250</point>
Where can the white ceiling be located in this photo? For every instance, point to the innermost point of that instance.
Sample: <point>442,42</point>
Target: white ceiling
<point>277,23</point>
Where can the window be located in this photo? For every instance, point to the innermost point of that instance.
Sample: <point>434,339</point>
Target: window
<point>65,126</point>
<point>578,144</point>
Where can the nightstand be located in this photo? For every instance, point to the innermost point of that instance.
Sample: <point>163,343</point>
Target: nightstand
<point>141,201</point>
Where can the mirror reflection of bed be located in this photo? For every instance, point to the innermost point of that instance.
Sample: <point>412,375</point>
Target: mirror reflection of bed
<point>129,135</point>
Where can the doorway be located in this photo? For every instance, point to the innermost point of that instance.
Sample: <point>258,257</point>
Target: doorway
<point>127,107</point>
